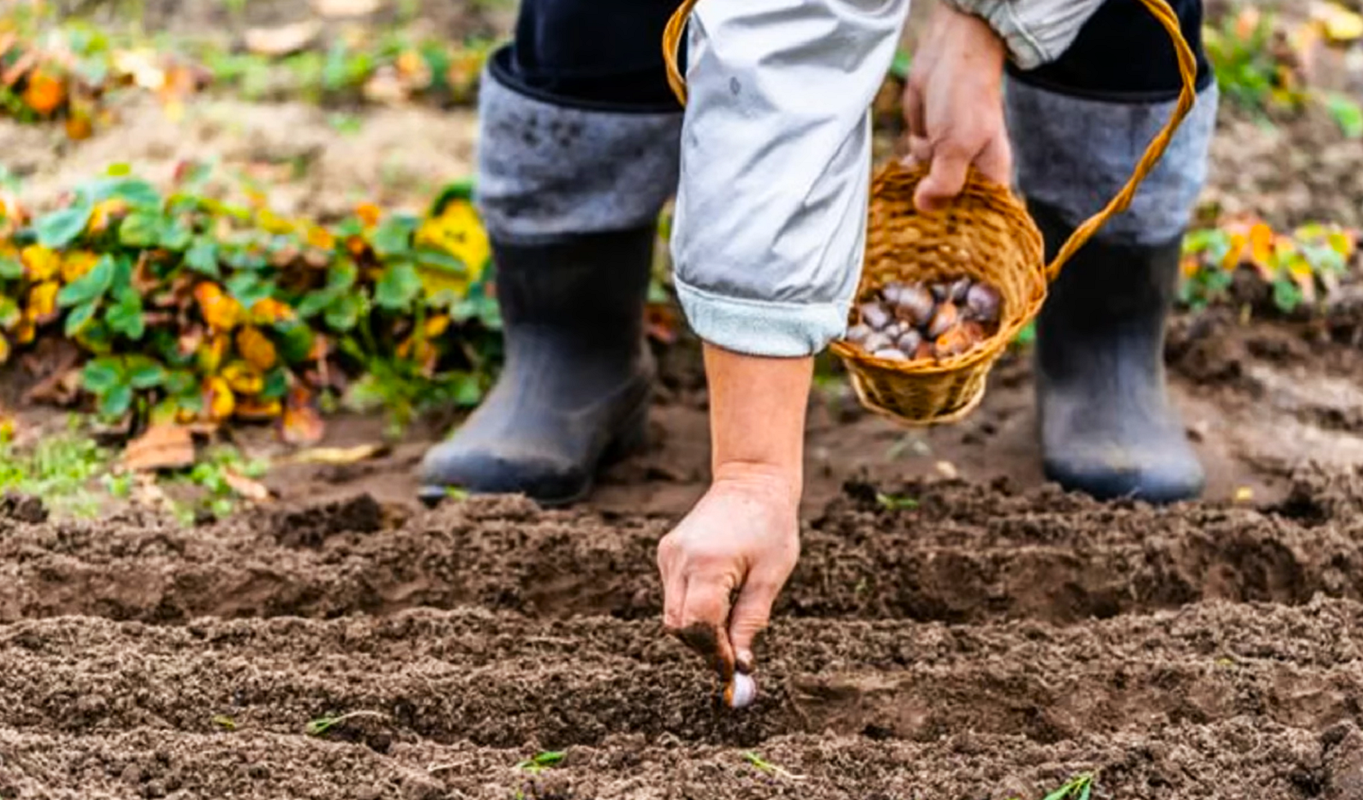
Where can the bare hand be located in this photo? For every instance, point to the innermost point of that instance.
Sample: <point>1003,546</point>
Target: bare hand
<point>742,537</point>
<point>954,106</point>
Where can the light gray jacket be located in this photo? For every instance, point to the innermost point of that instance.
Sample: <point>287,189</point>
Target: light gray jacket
<point>775,163</point>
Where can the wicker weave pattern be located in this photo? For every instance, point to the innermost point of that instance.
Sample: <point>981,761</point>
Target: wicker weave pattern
<point>985,233</point>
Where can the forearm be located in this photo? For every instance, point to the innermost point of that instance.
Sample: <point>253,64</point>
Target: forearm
<point>771,210</point>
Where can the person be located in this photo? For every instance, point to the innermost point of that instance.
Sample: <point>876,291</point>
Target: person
<point>582,143</point>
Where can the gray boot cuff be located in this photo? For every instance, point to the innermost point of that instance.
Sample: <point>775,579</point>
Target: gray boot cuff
<point>547,170</point>
<point>1074,154</point>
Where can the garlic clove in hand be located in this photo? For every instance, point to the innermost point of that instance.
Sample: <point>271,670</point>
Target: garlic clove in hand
<point>741,691</point>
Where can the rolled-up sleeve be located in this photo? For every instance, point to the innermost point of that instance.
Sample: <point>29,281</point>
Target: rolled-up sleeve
<point>1037,31</point>
<point>770,221</point>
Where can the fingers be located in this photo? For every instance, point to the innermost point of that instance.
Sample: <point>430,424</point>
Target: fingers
<point>674,585</point>
<point>996,161</point>
<point>704,619</point>
<point>913,110</point>
<point>750,616</point>
<point>946,177</point>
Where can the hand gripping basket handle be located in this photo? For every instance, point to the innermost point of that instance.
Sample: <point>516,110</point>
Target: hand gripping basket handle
<point>1187,70</point>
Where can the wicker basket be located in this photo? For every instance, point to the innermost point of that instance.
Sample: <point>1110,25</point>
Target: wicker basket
<point>985,234</point>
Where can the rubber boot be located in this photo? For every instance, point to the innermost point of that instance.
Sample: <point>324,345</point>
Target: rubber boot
<point>575,389</point>
<point>1107,426</point>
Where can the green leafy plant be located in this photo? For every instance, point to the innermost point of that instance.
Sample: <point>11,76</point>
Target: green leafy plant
<point>58,468</point>
<point>193,309</point>
<point>1251,61</point>
<point>1298,266</point>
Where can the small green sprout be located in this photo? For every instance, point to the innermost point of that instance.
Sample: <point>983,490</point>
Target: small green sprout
<point>765,766</point>
<point>1078,788</point>
<point>541,761</point>
<point>321,725</point>
<point>225,722</point>
<point>896,502</point>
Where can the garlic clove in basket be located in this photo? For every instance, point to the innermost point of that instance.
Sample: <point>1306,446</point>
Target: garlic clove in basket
<point>984,303</point>
<point>974,332</point>
<point>915,305</point>
<point>909,341</point>
<point>876,341</point>
<point>946,318</point>
<point>858,333</point>
<point>958,291</point>
<point>953,342</point>
<point>891,292</point>
<point>890,354</point>
<point>875,315</point>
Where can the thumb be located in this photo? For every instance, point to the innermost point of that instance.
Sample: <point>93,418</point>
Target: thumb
<point>750,616</point>
<point>945,180</point>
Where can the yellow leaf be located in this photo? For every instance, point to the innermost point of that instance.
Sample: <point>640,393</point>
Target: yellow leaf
<point>218,398</point>
<point>273,223</point>
<point>339,455</point>
<point>41,263</point>
<point>26,330</point>
<point>221,311</point>
<point>76,264</point>
<point>256,348</point>
<point>162,446</point>
<point>369,214</point>
<point>243,378</point>
<point>1235,253</point>
<point>44,92</point>
<point>268,311</point>
<point>1261,246</point>
<point>104,212</point>
<point>211,353</point>
<point>436,325</point>
<point>1190,266</point>
<point>258,410</point>
<point>1340,24</point>
<point>4,350</point>
<point>459,232</point>
<point>321,238</point>
<point>42,302</point>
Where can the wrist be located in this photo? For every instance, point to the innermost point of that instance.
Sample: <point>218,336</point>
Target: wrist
<point>777,482</point>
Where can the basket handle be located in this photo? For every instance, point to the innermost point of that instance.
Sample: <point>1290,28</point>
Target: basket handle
<point>1187,70</point>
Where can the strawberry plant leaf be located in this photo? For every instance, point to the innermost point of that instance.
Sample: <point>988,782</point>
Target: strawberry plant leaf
<point>394,237</point>
<point>139,229</point>
<point>126,315</point>
<point>102,374</point>
<point>144,373</point>
<point>89,287</point>
<point>133,191</point>
<point>202,257</point>
<point>313,303</point>
<point>175,236</point>
<point>11,269</point>
<point>276,384</point>
<point>116,402</point>
<point>398,286</point>
<point>79,317</point>
<point>60,228</point>
<point>344,313</point>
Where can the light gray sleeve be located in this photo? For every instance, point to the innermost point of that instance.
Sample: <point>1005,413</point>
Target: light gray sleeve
<point>775,167</point>
<point>1037,31</point>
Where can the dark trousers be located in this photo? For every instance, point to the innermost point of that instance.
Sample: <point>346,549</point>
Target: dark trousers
<point>608,54</point>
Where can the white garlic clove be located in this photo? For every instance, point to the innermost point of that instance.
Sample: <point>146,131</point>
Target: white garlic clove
<point>875,315</point>
<point>876,341</point>
<point>890,354</point>
<point>858,333</point>
<point>741,692</point>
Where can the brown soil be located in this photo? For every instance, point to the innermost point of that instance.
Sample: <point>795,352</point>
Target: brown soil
<point>989,643</point>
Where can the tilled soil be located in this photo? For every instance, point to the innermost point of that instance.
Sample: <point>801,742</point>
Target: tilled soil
<point>988,644</point>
